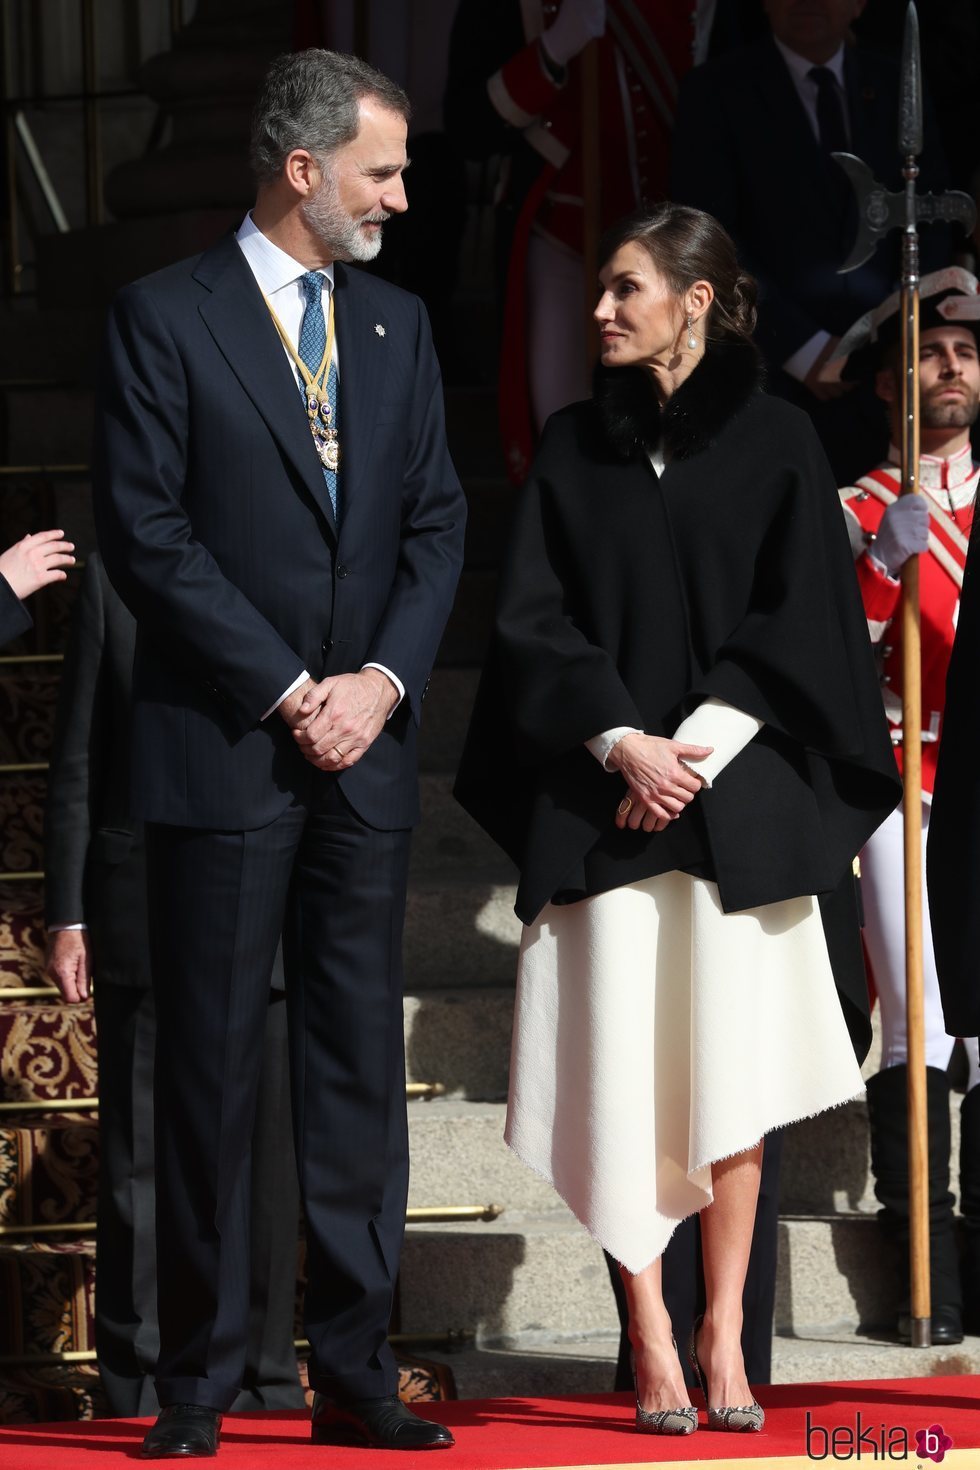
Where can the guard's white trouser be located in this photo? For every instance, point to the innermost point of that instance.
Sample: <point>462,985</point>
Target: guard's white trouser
<point>882,890</point>
<point>557,370</point>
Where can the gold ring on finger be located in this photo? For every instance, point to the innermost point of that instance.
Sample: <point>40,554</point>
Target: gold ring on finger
<point>625,806</point>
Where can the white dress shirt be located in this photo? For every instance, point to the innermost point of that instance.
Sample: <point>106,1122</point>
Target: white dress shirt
<point>799,363</point>
<point>280,279</point>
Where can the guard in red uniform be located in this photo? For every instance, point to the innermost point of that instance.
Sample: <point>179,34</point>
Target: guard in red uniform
<point>515,89</point>
<point>885,530</point>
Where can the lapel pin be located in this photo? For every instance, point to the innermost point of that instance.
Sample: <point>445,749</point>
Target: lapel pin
<point>379,329</point>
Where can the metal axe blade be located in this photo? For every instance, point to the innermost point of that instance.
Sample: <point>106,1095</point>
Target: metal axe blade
<point>880,210</point>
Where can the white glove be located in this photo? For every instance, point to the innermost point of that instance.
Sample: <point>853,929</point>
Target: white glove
<point>903,532</point>
<point>578,22</point>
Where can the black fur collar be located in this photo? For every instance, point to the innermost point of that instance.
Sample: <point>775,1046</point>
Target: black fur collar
<point>633,419</point>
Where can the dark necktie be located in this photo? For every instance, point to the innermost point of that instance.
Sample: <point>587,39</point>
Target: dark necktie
<point>312,341</point>
<point>830,111</point>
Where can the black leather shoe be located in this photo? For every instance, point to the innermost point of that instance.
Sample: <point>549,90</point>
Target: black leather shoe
<point>182,1430</point>
<point>947,1326</point>
<point>379,1424</point>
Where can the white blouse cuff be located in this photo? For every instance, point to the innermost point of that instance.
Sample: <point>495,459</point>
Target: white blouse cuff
<point>722,726</point>
<point>601,746</point>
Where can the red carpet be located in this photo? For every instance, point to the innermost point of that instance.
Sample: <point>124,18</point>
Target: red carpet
<point>528,1434</point>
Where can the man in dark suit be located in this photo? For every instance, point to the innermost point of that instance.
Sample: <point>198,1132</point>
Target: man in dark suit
<point>752,143</point>
<point>96,914</point>
<point>290,603</point>
<point>33,562</point>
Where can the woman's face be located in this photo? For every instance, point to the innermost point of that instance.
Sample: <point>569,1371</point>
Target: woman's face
<point>641,321</point>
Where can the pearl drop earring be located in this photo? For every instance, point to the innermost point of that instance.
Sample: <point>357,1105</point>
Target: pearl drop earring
<point>692,341</point>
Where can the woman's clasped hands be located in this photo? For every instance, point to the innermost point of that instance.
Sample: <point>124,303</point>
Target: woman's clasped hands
<point>659,781</point>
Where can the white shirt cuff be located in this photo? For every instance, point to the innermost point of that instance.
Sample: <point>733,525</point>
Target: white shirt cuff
<point>722,726</point>
<point>286,693</point>
<point>601,746</point>
<point>59,928</point>
<point>394,679</point>
<point>802,360</point>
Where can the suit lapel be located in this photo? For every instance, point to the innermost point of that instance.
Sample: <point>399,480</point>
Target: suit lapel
<point>362,352</point>
<point>238,320</point>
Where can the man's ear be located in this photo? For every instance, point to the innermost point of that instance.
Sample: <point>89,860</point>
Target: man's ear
<point>886,385</point>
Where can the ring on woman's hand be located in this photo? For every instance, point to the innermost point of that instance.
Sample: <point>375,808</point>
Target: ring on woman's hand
<point>338,752</point>
<point>625,806</point>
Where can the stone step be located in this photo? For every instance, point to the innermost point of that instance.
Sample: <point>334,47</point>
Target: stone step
<point>833,1273</point>
<point>52,424</point>
<point>491,507</point>
<point>527,1273</point>
<point>445,717</point>
<point>586,1365</point>
<point>460,932</point>
<point>473,432</point>
<point>460,1038</point>
<point>448,841</point>
<point>468,630</point>
<point>459,1157</point>
<point>506,1280</point>
<point>26,335</point>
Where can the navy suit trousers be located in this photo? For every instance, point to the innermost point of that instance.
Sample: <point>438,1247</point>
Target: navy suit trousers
<point>335,889</point>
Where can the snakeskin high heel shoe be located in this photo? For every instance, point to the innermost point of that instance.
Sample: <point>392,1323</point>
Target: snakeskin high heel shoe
<point>745,1418</point>
<point>663,1421</point>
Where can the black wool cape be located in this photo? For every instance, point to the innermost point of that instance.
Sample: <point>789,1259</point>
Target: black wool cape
<point>627,599</point>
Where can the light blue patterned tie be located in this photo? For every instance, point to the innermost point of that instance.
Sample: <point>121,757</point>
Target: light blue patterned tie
<point>312,341</point>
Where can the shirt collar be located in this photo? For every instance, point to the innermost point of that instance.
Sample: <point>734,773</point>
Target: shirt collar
<point>272,267</point>
<point>959,468</point>
<point>800,67</point>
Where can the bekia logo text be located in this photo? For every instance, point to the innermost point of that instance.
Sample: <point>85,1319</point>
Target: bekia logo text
<point>866,1441</point>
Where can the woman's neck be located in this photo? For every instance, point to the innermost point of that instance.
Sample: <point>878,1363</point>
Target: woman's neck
<point>669,375</point>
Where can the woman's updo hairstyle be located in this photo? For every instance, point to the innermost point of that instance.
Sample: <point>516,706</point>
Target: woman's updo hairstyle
<point>687,245</point>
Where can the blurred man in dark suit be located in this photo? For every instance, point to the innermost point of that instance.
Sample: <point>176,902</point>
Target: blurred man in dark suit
<point>752,143</point>
<point>96,914</point>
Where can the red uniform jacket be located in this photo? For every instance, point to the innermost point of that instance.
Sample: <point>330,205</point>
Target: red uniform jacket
<point>648,46</point>
<point>946,485</point>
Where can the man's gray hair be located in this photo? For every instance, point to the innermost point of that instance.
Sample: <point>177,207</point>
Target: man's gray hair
<point>309,100</point>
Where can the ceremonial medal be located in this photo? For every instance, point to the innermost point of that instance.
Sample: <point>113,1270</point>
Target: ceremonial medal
<point>319,412</point>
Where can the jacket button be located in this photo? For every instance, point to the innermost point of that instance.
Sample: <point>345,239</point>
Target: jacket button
<point>341,571</point>
<point>327,645</point>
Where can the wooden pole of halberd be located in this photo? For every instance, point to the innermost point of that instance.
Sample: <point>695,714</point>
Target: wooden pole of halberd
<point>921,1307</point>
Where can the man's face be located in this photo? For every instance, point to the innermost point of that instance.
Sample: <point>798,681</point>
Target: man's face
<point>361,185</point>
<point>812,28</point>
<point>949,379</point>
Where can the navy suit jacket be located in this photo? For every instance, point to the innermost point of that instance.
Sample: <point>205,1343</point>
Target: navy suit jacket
<point>744,151</point>
<point>216,529</point>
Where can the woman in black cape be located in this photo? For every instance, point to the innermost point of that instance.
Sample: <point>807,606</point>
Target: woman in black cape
<point>679,739</point>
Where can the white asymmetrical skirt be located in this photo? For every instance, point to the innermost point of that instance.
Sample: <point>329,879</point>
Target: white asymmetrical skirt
<point>654,1035</point>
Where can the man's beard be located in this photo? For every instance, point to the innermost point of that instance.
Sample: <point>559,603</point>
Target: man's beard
<point>331,223</point>
<point>957,414</point>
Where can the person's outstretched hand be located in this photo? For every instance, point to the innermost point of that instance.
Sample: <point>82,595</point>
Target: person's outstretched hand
<point>36,561</point>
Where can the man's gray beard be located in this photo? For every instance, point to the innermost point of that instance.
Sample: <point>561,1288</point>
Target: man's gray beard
<point>331,223</point>
<point>951,415</point>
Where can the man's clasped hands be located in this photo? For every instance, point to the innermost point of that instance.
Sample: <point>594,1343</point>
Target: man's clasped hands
<point>336,721</point>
